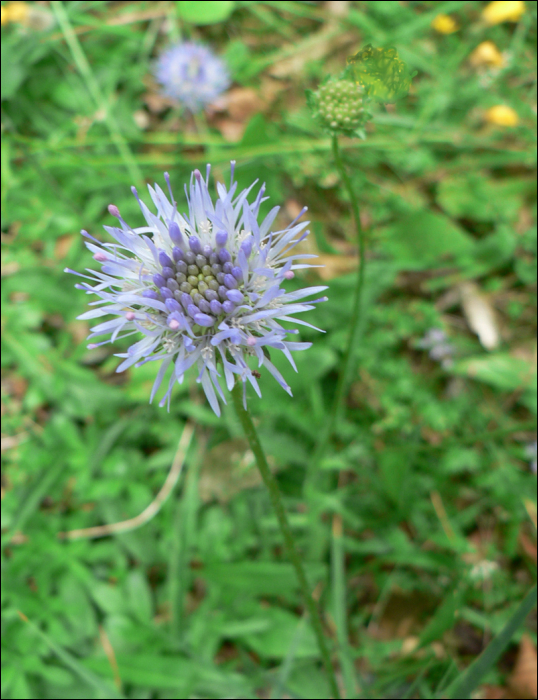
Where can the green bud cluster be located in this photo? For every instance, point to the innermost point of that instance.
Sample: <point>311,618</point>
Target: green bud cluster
<point>198,277</point>
<point>340,105</point>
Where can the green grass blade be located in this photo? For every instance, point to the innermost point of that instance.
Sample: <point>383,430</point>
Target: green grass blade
<point>180,575</point>
<point>468,681</point>
<point>287,665</point>
<point>104,689</point>
<point>340,607</point>
<point>84,68</point>
<point>417,681</point>
<point>31,504</point>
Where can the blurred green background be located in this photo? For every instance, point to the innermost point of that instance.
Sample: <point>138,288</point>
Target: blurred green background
<point>427,539</point>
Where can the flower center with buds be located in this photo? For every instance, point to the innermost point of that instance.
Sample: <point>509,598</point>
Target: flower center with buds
<point>201,282</point>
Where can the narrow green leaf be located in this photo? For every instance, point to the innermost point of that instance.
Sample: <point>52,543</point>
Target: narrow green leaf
<point>104,689</point>
<point>469,680</point>
<point>206,12</point>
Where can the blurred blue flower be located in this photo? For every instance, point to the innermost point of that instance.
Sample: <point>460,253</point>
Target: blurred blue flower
<point>192,74</point>
<point>204,288</point>
<point>531,451</point>
<point>440,350</point>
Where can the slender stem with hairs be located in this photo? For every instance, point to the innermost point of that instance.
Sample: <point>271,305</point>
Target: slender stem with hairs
<point>289,541</point>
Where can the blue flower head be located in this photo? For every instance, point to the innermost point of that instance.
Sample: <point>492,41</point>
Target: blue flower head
<point>204,288</point>
<point>532,451</point>
<point>439,347</point>
<point>191,74</point>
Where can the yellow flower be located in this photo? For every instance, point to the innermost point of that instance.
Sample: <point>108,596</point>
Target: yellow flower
<point>503,11</point>
<point>501,115</point>
<point>30,16</point>
<point>444,24</point>
<point>14,12</point>
<point>486,54</point>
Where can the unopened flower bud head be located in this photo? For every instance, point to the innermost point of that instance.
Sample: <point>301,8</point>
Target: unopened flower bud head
<point>338,105</point>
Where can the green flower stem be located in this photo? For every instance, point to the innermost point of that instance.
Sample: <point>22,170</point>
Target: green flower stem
<point>311,486</point>
<point>355,315</point>
<point>276,500</point>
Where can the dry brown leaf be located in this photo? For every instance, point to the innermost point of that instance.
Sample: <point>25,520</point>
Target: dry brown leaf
<point>79,331</point>
<point>399,617</point>
<point>156,102</point>
<point>19,538</point>
<point>14,386</point>
<point>433,437</point>
<point>335,265</point>
<point>522,681</point>
<point>338,8</point>
<point>530,507</point>
<point>528,546</point>
<point>409,645</point>
<point>492,692</point>
<point>314,48</point>
<point>293,208</point>
<point>232,131</point>
<point>480,315</point>
<point>8,442</point>
<point>527,353</point>
<point>228,469</point>
<point>238,105</point>
<point>141,119</point>
<point>10,268</point>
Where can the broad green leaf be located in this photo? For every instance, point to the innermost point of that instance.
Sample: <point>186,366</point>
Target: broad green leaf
<point>284,631</point>
<point>18,55</point>
<point>108,597</point>
<point>394,474</point>
<point>444,617</point>
<point>139,598</point>
<point>425,239</point>
<point>477,197</point>
<point>503,372</point>
<point>181,675</point>
<point>86,676</point>
<point>259,132</point>
<point>258,578</point>
<point>150,670</point>
<point>205,11</point>
<point>308,681</point>
<point>79,613</point>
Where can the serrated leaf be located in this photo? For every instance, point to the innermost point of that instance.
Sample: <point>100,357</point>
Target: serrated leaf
<point>381,71</point>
